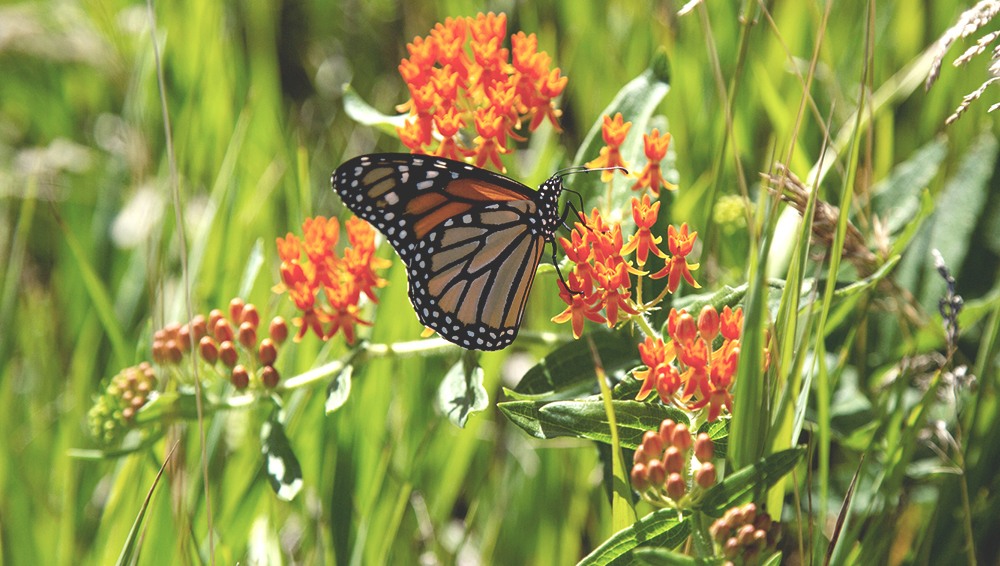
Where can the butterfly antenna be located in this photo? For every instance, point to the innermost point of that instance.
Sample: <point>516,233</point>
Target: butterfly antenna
<point>584,169</point>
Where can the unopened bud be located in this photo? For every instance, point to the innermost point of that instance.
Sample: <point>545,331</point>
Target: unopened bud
<point>250,314</point>
<point>208,350</point>
<point>651,443</point>
<point>703,448</point>
<point>222,331</point>
<point>667,430</point>
<point>638,475</point>
<point>228,353</point>
<point>248,335</point>
<point>240,377</point>
<point>673,460</point>
<point>655,472</point>
<point>267,352</point>
<point>675,486</point>
<point>269,377</point>
<point>705,476</point>
<point>236,308</point>
<point>278,330</point>
<point>708,323</point>
<point>681,437</point>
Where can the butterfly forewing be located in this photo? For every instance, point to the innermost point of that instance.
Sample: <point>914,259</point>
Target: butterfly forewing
<point>471,240</point>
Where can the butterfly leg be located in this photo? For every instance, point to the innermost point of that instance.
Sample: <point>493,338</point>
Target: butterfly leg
<point>555,263</point>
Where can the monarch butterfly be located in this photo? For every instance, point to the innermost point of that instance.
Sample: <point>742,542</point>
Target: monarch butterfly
<point>471,239</point>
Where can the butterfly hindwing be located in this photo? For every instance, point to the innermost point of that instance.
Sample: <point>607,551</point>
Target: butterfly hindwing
<point>471,240</point>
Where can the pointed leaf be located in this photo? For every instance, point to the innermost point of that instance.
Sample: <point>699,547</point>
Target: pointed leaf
<point>283,470</point>
<point>363,113</point>
<point>660,529</point>
<point>568,371</point>
<point>587,419</point>
<point>743,484</point>
<point>339,389</point>
<point>462,392</point>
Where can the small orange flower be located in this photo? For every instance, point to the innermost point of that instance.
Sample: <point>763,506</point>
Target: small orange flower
<point>677,267</point>
<point>613,130</point>
<point>489,142</point>
<point>655,148</point>
<point>657,357</point>
<point>581,306</point>
<point>643,241</point>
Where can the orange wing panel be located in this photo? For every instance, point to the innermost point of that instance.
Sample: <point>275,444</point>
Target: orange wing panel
<point>475,189</point>
<point>439,215</point>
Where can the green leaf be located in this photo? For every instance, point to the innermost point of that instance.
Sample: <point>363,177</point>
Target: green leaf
<point>462,392</point>
<point>363,113</point>
<point>753,479</point>
<point>658,529</point>
<point>959,207</point>
<point>586,418</point>
<point>568,371</point>
<point>128,552</point>
<point>897,198</point>
<point>339,389</point>
<point>718,431</point>
<point>283,470</point>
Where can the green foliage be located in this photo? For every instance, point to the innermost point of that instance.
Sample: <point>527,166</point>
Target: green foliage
<point>356,457</point>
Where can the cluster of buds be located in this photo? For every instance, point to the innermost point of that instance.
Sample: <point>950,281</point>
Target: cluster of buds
<point>745,536</point>
<point>230,342</point>
<point>662,469</point>
<point>494,90</point>
<point>114,411</point>
<point>703,375</point>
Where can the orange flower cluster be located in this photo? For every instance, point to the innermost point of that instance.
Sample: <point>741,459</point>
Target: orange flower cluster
<point>311,264</point>
<point>703,375</point>
<point>493,91</point>
<point>614,130</point>
<point>600,277</point>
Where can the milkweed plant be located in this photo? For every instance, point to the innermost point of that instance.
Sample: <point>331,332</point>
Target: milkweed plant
<point>672,377</point>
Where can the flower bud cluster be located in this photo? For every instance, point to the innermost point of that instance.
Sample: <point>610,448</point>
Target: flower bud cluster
<point>745,535</point>
<point>114,411</point>
<point>663,470</point>
<point>232,342</point>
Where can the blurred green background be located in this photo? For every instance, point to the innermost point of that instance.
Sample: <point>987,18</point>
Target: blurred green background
<point>91,259</point>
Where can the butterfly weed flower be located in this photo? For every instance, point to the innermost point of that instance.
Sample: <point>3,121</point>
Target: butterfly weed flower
<point>651,177</point>
<point>643,241</point>
<point>613,131</point>
<point>485,98</point>
<point>600,259</point>
<point>325,287</point>
<point>680,244</point>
